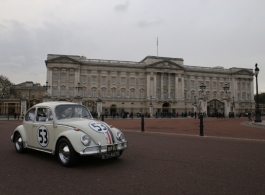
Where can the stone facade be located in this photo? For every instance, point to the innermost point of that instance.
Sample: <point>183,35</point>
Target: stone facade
<point>31,93</point>
<point>166,83</point>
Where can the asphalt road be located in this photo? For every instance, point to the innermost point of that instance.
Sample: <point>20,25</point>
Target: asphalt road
<point>169,158</point>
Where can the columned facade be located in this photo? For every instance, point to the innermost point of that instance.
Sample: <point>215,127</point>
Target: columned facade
<point>128,86</point>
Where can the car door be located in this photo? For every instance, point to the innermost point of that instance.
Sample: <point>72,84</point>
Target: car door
<point>43,130</point>
<point>28,125</point>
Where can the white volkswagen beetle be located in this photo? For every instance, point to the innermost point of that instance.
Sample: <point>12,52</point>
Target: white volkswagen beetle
<point>69,131</point>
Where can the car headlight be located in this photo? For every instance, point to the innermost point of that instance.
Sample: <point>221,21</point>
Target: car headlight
<point>85,139</point>
<point>120,136</point>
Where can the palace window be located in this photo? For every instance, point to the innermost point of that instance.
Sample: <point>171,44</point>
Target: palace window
<point>113,92</point>
<point>103,92</point>
<point>192,84</point>
<point>141,94</point>
<point>221,85</point>
<point>158,94</point>
<point>54,92</point>
<point>141,81</point>
<point>71,94</point>
<point>122,80</point>
<point>171,82</point>
<point>94,79</point>
<point>132,81</point>
<point>71,78</point>
<point>113,80</point>
<point>238,85</point>
<point>165,95</point>
<point>84,79</point>
<point>103,80</point>
<point>93,92</point>
<point>63,78</point>
<point>54,78</point>
<point>62,92</point>
<point>132,94</point>
<point>172,94</point>
<point>214,85</point>
<point>123,93</point>
<point>84,92</point>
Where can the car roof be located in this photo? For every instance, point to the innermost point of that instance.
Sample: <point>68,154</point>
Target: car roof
<point>53,104</point>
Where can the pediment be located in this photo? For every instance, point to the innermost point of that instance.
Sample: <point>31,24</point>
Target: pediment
<point>165,64</point>
<point>62,59</point>
<point>244,72</point>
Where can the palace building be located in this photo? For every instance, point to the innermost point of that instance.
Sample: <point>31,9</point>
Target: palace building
<point>161,83</point>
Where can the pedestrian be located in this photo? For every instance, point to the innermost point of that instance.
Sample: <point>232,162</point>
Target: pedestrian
<point>22,115</point>
<point>15,115</point>
<point>249,117</point>
<point>195,114</point>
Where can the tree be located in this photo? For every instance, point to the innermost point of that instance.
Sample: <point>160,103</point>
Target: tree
<point>261,98</point>
<point>6,87</point>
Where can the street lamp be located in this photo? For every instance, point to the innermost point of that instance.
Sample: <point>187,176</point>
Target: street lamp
<point>226,88</point>
<point>258,114</point>
<point>46,86</point>
<point>202,86</point>
<point>151,100</point>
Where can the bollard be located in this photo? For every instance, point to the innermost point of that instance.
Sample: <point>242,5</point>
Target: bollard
<point>142,130</point>
<point>8,117</point>
<point>201,125</point>
<point>102,117</point>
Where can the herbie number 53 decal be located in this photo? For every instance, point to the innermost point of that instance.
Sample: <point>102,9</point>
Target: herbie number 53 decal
<point>43,136</point>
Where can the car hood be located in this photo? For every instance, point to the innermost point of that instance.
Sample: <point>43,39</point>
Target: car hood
<point>97,130</point>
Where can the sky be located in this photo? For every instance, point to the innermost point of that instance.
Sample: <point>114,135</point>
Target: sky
<point>209,33</point>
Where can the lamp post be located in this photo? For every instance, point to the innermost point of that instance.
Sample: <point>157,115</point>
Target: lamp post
<point>185,105</point>
<point>151,101</point>
<point>151,107</point>
<point>78,88</point>
<point>226,88</point>
<point>258,114</point>
<point>46,86</point>
<point>202,86</point>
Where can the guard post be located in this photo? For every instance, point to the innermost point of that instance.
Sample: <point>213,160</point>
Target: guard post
<point>142,124</point>
<point>102,117</point>
<point>201,125</point>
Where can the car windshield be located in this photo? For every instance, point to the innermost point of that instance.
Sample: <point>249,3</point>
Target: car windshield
<point>72,111</point>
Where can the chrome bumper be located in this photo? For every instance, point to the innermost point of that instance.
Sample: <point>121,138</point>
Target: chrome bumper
<point>101,149</point>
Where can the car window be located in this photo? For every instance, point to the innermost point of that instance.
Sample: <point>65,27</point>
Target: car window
<point>72,111</point>
<point>30,116</point>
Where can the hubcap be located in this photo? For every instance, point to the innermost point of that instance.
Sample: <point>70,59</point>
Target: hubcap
<point>64,152</point>
<point>19,143</point>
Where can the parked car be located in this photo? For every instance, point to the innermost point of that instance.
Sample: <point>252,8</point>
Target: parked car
<point>68,131</point>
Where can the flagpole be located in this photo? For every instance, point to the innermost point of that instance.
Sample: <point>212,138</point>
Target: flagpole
<point>157,47</point>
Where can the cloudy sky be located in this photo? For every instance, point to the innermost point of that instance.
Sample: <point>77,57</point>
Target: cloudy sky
<point>228,33</point>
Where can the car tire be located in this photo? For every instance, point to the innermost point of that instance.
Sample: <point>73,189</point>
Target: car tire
<point>18,141</point>
<point>119,155</point>
<point>66,153</point>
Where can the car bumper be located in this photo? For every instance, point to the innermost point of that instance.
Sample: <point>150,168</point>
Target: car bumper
<point>102,149</point>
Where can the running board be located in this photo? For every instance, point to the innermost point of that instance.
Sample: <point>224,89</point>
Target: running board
<point>41,150</point>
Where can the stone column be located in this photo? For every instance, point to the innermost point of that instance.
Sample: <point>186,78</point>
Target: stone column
<point>176,86</point>
<point>182,87</point>
<point>161,80</point>
<point>23,111</point>
<point>154,95</point>
<point>148,85</point>
<point>168,85</point>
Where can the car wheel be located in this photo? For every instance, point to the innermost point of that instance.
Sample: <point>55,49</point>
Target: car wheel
<point>18,141</point>
<point>66,153</point>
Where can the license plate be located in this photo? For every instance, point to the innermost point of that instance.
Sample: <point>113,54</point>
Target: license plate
<point>112,148</point>
<point>110,155</point>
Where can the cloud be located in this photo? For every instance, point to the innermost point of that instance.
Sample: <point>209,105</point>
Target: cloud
<point>145,24</point>
<point>122,7</point>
